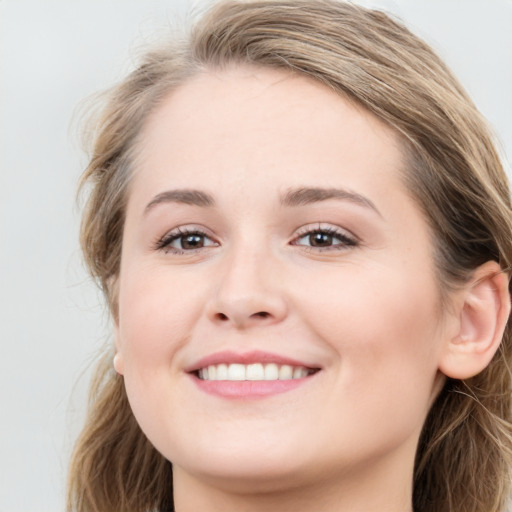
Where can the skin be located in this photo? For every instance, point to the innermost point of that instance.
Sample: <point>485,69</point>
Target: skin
<point>366,312</point>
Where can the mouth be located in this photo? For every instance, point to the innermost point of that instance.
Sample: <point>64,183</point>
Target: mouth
<point>253,372</point>
<point>251,375</point>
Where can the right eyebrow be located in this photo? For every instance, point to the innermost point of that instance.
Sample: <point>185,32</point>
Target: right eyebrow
<point>184,196</point>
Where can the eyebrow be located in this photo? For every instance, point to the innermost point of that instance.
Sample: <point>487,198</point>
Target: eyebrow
<point>183,196</point>
<point>292,198</point>
<point>304,195</point>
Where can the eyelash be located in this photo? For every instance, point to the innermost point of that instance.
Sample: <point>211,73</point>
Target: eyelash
<point>346,240</point>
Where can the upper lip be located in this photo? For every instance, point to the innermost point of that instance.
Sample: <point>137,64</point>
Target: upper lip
<point>255,356</point>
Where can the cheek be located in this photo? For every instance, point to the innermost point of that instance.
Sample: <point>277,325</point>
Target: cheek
<point>156,312</point>
<point>377,308</point>
<point>384,329</point>
<point>384,344</point>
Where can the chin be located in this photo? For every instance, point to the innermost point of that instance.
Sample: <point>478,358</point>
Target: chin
<point>246,476</point>
<point>259,466</point>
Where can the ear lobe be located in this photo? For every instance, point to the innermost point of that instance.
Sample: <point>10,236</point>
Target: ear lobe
<point>118,363</point>
<point>118,356</point>
<point>483,311</point>
<point>112,295</point>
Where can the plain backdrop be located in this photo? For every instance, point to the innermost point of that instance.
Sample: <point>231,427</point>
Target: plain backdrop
<point>55,53</point>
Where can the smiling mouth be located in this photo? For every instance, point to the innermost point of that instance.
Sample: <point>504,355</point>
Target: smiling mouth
<point>253,372</point>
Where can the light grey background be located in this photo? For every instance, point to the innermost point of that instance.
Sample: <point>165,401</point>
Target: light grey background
<point>53,54</point>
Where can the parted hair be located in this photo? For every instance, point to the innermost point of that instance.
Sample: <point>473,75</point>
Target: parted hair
<point>453,171</point>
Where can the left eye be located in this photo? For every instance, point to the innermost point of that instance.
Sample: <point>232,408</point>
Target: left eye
<point>325,239</point>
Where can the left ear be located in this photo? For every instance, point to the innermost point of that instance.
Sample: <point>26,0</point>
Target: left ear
<point>482,308</point>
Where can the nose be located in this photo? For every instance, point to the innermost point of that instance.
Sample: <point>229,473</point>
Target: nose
<point>248,292</point>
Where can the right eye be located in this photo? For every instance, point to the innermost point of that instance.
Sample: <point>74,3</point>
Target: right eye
<point>181,241</point>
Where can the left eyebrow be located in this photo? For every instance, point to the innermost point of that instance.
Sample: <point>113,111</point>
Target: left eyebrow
<point>306,195</point>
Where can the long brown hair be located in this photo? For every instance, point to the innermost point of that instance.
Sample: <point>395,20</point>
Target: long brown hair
<point>463,462</point>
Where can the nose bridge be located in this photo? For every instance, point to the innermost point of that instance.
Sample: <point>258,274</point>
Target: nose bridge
<point>248,290</point>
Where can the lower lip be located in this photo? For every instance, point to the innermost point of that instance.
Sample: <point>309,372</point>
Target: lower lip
<point>249,389</point>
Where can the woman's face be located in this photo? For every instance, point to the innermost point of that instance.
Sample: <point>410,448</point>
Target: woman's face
<point>279,316</point>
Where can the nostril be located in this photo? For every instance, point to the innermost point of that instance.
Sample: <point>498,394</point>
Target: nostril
<point>261,314</point>
<point>240,319</point>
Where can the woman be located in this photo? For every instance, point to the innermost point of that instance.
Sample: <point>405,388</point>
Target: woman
<point>302,229</point>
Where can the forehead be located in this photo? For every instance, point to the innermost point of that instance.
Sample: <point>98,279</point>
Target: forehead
<point>262,125</point>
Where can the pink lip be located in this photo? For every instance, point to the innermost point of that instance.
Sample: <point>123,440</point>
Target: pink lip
<point>248,389</point>
<point>255,356</point>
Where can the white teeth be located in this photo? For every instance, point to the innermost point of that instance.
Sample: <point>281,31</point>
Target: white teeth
<point>285,372</point>
<point>222,372</point>
<point>255,371</point>
<point>235,372</point>
<point>271,371</point>
<point>299,373</point>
